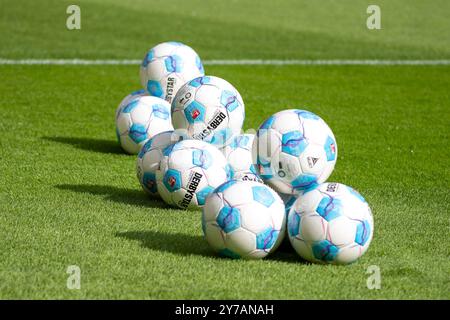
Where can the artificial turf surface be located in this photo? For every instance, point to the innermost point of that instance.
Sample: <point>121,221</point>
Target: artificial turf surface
<point>69,196</point>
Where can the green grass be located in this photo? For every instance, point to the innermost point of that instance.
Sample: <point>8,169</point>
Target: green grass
<point>291,29</point>
<point>69,196</point>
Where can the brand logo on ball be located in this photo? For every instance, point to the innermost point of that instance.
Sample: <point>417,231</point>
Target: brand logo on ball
<point>194,181</point>
<point>213,124</point>
<point>217,120</point>
<point>261,169</point>
<point>250,178</point>
<point>332,187</point>
<point>185,99</point>
<point>281,173</point>
<point>333,148</point>
<point>195,113</point>
<point>172,180</point>
<point>170,88</point>
<point>312,161</point>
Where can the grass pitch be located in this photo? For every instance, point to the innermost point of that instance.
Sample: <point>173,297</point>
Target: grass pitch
<point>69,196</point>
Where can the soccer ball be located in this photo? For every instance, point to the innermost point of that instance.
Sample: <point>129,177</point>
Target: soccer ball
<point>244,219</point>
<point>139,120</point>
<point>167,66</point>
<point>294,150</point>
<point>128,98</point>
<point>239,156</point>
<point>149,158</point>
<point>209,109</point>
<point>330,224</point>
<point>189,171</point>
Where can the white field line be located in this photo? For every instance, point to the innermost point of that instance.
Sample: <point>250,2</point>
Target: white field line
<point>68,62</point>
<point>231,62</point>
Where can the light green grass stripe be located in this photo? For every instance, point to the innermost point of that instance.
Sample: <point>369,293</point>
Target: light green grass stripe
<point>229,62</point>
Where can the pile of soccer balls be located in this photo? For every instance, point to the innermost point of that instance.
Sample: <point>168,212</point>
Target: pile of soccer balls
<point>253,189</point>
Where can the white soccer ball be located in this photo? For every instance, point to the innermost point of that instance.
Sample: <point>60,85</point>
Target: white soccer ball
<point>239,155</point>
<point>141,119</point>
<point>189,171</point>
<point>128,98</point>
<point>294,150</point>
<point>209,109</point>
<point>149,159</point>
<point>330,224</point>
<point>244,219</point>
<point>167,66</point>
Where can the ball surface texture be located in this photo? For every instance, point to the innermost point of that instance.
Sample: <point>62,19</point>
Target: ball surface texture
<point>294,150</point>
<point>330,224</point>
<point>149,159</point>
<point>209,109</point>
<point>189,171</point>
<point>167,66</point>
<point>244,219</point>
<point>141,119</point>
<point>239,155</point>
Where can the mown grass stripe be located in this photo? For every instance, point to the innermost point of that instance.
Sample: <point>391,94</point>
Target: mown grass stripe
<point>229,62</point>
